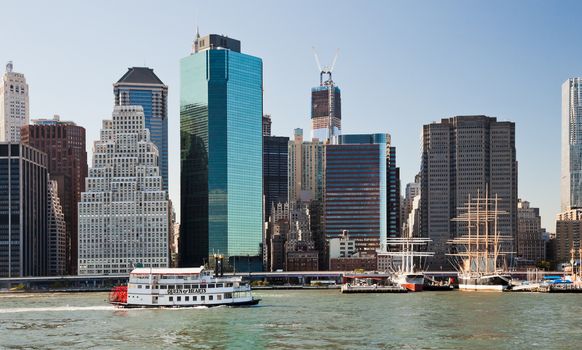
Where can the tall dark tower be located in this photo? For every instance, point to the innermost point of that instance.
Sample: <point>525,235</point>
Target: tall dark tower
<point>326,111</point>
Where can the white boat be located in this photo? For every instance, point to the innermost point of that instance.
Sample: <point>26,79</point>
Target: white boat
<point>480,253</point>
<point>181,287</point>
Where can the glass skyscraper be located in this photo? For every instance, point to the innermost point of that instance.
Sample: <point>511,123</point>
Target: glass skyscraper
<point>140,86</point>
<point>571,178</point>
<point>221,105</point>
<point>356,189</point>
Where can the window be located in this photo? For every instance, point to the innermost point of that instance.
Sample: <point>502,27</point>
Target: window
<point>202,298</point>
<point>179,299</point>
<point>187,298</point>
<point>219,297</point>
<point>211,297</point>
<point>194,298</point>
<point>171,298</point>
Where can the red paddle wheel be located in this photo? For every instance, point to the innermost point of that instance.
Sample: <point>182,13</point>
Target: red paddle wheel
<point>118,295</point>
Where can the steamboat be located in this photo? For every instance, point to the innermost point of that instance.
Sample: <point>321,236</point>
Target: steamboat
<point>181,287</point>
<point>480,254</point>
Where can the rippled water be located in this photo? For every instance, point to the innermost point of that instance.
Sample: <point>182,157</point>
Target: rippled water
<point>300,320</point>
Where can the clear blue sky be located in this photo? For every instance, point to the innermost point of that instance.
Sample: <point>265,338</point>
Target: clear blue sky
<point>402,64</point>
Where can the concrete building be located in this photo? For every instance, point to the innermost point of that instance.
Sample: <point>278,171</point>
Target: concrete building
<point>356,197</point>
<point>123,214</point>
<point>306,176</point>
<point>14,105</point>
<point>342,246</point>
<point>57,232</point>
<point>221,112</point>
<point>267,125</point>
<point>65,144</point>
<point>571,177</point>
<point>462,156</point>
<point>568,235</point>
<point>24,236</point>
<point>300,251</point>
<point>530,242</point>
<point>140,86</point>
<point>275,237</point>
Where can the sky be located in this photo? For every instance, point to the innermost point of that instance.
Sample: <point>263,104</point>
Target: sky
<point>401,64</point>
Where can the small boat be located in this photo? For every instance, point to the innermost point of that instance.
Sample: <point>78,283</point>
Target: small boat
<point>181,287</point>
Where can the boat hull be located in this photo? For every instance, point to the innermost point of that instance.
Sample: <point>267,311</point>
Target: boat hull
<point>493,283</point>
<point>138,306</point>
<point>413,287</point>
<point>412,282</point>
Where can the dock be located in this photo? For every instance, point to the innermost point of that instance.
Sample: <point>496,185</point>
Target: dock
<point>349,289</point>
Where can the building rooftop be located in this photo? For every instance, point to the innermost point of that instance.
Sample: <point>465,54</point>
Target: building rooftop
<point>140,75</point>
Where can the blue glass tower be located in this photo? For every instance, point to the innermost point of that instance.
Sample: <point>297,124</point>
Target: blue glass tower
<point>140,86</point>
<point>221,109</point>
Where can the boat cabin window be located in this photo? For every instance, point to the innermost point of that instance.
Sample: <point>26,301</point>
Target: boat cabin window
<point>139,286</point>
<point>163,287</point>
<point>195,286</point>
<point>194,298</point>
<point>228,295</point>
<point>148,287</point>
<point>229,284</point>
<point>219,285</point>
<point>171,298</point>
<point>212,285</point>
<point>171,286</point>
<point>179,287</point>
<point>202,298</point>
<point>179,299</point>
<point>156,286</point>
<point>219,297</point>
<point>211,297</point>
<point>187,286</point>
<point>187,298</point>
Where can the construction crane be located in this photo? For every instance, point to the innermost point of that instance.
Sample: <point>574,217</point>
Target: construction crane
<point>325,70</point>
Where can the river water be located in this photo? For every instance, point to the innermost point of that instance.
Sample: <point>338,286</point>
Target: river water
<point>299,320</point>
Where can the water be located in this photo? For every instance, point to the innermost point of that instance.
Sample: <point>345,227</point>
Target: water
<point>299,320</point>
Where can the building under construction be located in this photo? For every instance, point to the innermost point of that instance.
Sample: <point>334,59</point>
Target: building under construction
<point>326,112</point>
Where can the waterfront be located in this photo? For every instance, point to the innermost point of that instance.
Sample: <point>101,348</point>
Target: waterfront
<point>298,320</point>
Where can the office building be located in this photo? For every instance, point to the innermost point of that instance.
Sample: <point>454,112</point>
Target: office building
<point>123,213</point>
<point>65,144</point>
<point>275,171</point>
<point>57,232</point>
<point>393,195</point>
<point>326,111</point>
<point>465,156</point>
<point>221,110</point>
<point>530,242</point>
<point>24,236</point>
<point>140,86</point>
<point>306,159</point>
<point>13,105</point>
<point>267,125</point>
<point>571,177</point>
<point>568,236</point>
<point>356,196</point>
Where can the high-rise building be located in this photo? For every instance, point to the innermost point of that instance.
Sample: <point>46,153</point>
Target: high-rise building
<point>571,178</point>
<point>24,235</point>
<point>465,156</point>
<point>267,125</point>
<point>13,105</point>
<point>306,160</point>
<point>393,195</point>
<point>140,86</point>
<point>530,242</point>
<point>356,195</point>
<point>123,214</point>
<point>568,236</point>
<point>64,143</point>
<point>326,111</point>
<point>57,232</point>
<point>275,174</point>
<point>221,110</point>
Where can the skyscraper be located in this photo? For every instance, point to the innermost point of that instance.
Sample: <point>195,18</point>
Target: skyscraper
<point>571,178</point>
<point>123,214</point>
<point>462,156</point>
<point>306,159</point>
<point>13,105</point>
<point>140,86</point>
<point>393,194</point>
<point>57,232</point>
<point>530,243</point>
<point>356,190</point>
<point>221,110</point>
<point>23,211</point>
<point>326,111</point>
<point>65,144</point>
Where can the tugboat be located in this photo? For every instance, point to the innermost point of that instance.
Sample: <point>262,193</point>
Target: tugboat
<point>182,287</point>
<point>480,252</point>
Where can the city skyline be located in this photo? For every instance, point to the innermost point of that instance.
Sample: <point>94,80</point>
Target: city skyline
<point>488,76</point>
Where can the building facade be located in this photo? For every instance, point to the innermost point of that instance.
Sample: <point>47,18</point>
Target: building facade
<point>57,232</point>
<point>123,214</point>
<point>65,144</point>
<point>465,156</point>
<point>275,170</point>
<point>140,86</point>
<point>221,114</point>
<point>393,195</point>
<point>326,111</point>
<point>24,237</point>
<point>530,242</point>
<point>568,236</point>
<point>571,177</point>
<point>356,190</point>
<point>13,105</point>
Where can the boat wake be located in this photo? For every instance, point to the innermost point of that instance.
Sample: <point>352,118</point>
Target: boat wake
<point>58,308</point>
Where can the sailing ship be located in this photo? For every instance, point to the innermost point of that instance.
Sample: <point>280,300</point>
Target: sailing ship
<point>480,254</point>
<point>405,254</point>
